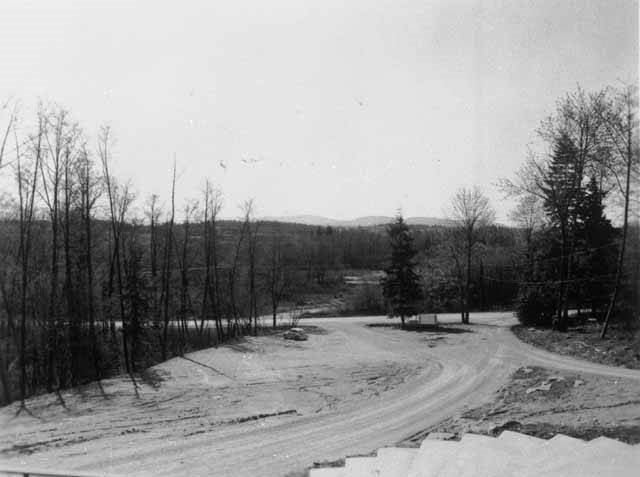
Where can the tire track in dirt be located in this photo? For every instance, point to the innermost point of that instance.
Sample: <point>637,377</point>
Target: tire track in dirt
<point>429,384</point>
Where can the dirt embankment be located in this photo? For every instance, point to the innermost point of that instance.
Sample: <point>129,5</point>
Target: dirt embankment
<point>620,348</point>
<point>542,403</point>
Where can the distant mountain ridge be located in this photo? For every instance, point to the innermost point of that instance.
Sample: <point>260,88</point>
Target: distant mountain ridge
<point>367,221</point>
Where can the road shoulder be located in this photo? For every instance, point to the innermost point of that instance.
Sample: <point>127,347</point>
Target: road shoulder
<point>543,402</point>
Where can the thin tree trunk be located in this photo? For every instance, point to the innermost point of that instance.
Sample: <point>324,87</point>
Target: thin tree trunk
<point>89,261</point>
<point>232,277</point>
<point>274,310</point>
<point>53,282</point>
<point>4,381</point>
<point>184,280</point>
<point>116,219</point>
<point>467,292</point>
<point>26,216</point>
<point>72,315</point>
<point>153,253</point>
<point>207,260</point>
<point>123,319</point>
<point>625,226</point>
<point>167,273</point>
<point>216,280</point>
<point>253,300</point>
<point>560,321</point>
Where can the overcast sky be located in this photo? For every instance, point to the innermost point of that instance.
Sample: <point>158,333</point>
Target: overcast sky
<point>337,108</point>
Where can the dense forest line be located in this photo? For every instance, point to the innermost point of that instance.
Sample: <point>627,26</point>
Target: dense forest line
<point>94,281</point>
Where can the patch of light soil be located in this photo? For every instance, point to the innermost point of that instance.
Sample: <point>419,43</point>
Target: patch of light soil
<point>259,379</point>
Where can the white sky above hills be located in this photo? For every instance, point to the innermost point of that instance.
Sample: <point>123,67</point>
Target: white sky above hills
<point>333,108</point>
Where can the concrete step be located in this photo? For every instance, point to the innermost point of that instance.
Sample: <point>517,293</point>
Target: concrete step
<point>601,456</point>
<point>562,442</point>
<point>510,454</point>
<point>395,461</point>
<point>590,464</point>
<point>480,456</point>
<point>522,441</point>
<point>595,467</point>
<point>431,457</point>
<point>560,448</point>
<point>328,472</point>
<point>608,444</point>
<point>361,466</point>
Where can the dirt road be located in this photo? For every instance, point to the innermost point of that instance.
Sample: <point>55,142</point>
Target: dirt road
<point>269,406</point>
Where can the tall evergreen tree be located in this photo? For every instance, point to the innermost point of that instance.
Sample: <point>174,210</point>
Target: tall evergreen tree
<point>401,286</point>
<point>561,190</point>
<point>596,235</point>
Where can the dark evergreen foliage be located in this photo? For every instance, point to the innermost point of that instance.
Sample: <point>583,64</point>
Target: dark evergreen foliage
<point>401,286</point>
<point>597,239</point>
<point>535,305</point>
<point>560,188</point>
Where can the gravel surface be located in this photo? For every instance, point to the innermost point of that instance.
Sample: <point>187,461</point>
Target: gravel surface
<point>270,406</point>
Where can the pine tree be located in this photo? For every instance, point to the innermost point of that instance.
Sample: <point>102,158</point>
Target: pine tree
<point>561,190</point>
<point>401,286</point>
<point>596,235</point>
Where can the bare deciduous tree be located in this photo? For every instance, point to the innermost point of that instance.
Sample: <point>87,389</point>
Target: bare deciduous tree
<point>166,272</point>
<point>89,193</point>
<point>252,240</point>
<point>470,210</point>
<point>190,210</point>
<point>277,278</point>
<point>119,199</point>
<point>233,271</point>
<point>7,130</point>
<point>211,285</point>
<point>529,216</point>
<point>27,186</point>
<point>153,214</point>
<point>621,125</point>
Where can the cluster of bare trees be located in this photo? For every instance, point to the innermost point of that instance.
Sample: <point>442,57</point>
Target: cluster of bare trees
<point>88,289</point>
<point>573,256</point>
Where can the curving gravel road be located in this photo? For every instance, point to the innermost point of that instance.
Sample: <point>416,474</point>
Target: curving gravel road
<point>348,391</point>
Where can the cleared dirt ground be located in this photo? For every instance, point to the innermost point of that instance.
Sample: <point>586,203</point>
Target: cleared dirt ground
<point>269,406</point>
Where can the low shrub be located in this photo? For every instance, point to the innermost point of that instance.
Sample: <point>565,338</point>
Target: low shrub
<point>535,306</point>
<point>365,299</point>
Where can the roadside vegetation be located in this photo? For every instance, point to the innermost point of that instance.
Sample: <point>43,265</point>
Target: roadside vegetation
<point>569,266</point>
<point>577,259</point>
<point>621,348</point>
<point>583,272</point>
